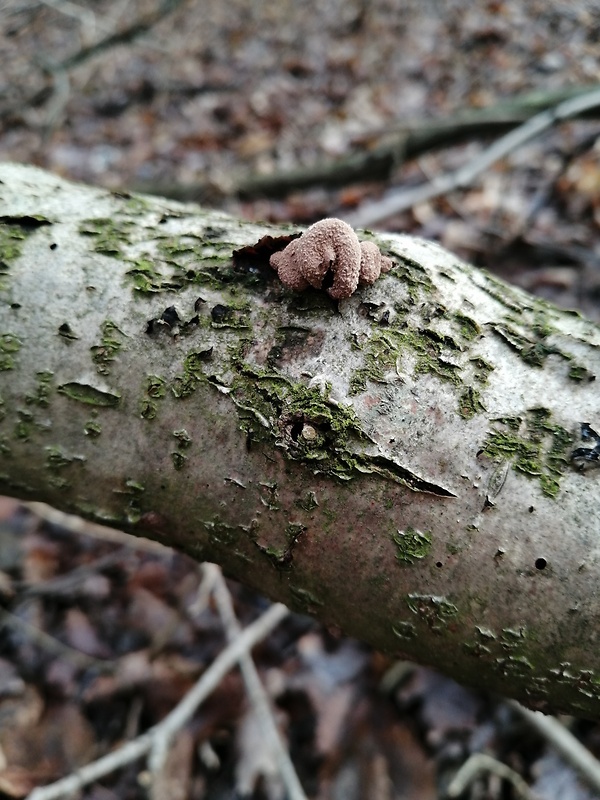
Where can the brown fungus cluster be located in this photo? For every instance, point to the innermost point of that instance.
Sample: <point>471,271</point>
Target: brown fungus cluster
<point>329,256</point>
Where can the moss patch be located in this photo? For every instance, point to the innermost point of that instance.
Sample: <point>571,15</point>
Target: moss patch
<point>434,353</point>
<point>155,390</point>
<point>41,396</point>
<point>108,235</point>
<point>468,328</point>
<point>534,445</point>
<point>305,425</point>
<point>412,545</point>
<point>11,242</point>
<point>9,346</point>
<point>93,429</point>
<point>469,403</point>
<point>436,611</point>
<point>110,344</point>
<point>84,393</point>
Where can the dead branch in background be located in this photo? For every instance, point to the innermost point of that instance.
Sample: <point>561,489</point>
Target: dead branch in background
<point>57,92</point>
<point>401,200</point>
<point>405,142</point>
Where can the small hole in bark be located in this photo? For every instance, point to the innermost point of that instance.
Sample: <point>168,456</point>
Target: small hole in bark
<point>540,563</point>
<point>439,564</point>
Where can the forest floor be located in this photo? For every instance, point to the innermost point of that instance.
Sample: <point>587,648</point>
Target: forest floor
<point>102,636</point>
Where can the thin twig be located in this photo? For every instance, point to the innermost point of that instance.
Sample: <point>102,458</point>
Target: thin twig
<point>480,762</point>
<point>568,747</point>
<point>61,92</point>
<point>84,16</point>
<point>123,36</point>
<point>398,201</point>
<point>67,584</point>
<point>175,720</point>
<point>52,645</point>
<point>256,691</point>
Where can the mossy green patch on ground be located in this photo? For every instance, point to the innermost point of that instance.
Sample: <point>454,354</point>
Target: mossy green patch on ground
<point>534,445</point>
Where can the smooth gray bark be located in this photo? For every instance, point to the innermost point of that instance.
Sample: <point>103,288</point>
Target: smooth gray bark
<point>399,464</point>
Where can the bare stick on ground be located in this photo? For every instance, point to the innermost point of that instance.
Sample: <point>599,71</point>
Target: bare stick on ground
<point>479,764</point>
<point>172,722</point>
<point>563,741</point>
<point>256,692</point>
<point>398,201</point>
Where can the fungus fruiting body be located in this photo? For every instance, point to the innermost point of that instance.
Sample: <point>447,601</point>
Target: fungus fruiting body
<point>329,256</point>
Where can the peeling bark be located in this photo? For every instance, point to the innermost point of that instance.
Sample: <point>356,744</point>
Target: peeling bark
<point>406,464</point>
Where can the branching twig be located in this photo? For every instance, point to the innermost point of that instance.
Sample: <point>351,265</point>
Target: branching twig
<point>256,691</point>
<point>480,762</point>
<point>123,36</point>
<point>83,15</point>
<point>568,747</point>
<point>59,72</point>
<point>52,645</point>
<point>175,719</point>
<point>398,201</point>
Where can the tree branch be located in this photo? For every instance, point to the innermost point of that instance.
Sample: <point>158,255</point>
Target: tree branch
<point>408,464</point>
